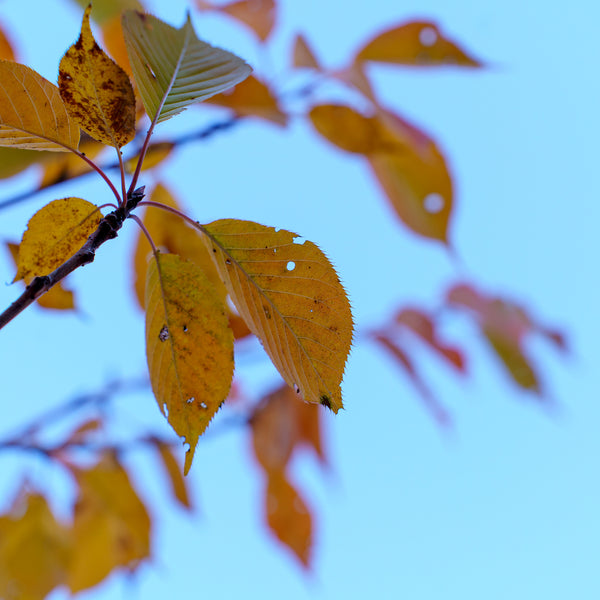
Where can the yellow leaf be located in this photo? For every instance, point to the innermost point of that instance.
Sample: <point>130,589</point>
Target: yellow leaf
<point>302,56</point>
<point>171,234</point>
<point>54,234</point>
<point>57,297</point>
<point>291,298</point>
<point>288,516</point>
<point>96,91</point>
<point>14,160</point>
<point>189,346</point>
<point>418,43</point>
<point>252,98</point>
<point>32,113</point>
<point>35,550</point>
<point>111,527</point>
<point>155,155</point>
<point>173,471</point>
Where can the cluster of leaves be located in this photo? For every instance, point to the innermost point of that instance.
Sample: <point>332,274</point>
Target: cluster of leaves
<point>205,286</point>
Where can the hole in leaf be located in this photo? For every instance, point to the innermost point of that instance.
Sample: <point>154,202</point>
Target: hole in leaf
<point>203,405</point>
<point>165,409</point>
<point>163,335</point>
<point>274,250</point>
<point>290,266</point>
<point>433,203</point>
<point>185,329</point>
<point>190,400</point>
<point>227,261</point>
<point>428,36</point>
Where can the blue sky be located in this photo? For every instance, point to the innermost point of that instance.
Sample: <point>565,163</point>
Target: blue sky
<point>502,506</point>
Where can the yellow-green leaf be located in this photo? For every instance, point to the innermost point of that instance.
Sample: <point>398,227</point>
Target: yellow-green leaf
<point>96,91</point>
<point>54,234</point>
<point>105,10</point>
<point>173,68</point>
<point>291,298</point>
<point>32,113</point>
<point>189,346</point>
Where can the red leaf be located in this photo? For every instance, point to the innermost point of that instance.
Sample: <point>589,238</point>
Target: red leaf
<point>422,325</point>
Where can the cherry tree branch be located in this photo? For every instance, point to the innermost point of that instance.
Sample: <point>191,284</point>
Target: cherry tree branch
<point>107,229</point>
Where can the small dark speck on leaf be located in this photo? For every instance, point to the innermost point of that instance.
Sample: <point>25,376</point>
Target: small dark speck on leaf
<point>163,336</point>
<point>185,329</point>
<point>227,261</point>
<point>296,388</point>
<point>325,401</point>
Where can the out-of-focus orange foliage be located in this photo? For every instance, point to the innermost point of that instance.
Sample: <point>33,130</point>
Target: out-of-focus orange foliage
<point>418,43</point>
<point>252,98</point>
<point>505,325</point>
<point>258,15</point>
<point>6,48</point>
<point>282,426</point>
<point>406,162</point>
<point>302,55</point>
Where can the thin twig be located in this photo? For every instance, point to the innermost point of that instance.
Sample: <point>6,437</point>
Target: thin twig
<point>107,229</point>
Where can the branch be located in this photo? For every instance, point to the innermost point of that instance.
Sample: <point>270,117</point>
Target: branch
<point>107,229</point>
<point>177,142</point>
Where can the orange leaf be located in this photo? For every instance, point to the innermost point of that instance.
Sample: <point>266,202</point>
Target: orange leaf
<point>252,98</point>
<point>418,43</point>
<point>111,527</point>
<point>258,15</point>
<point>302,55</point>
<point>407,163</point>
<point>174,473</point>
<point>288,517</point>
<point>281,425</point>
<point>355,77</point>
<point>6,47</point>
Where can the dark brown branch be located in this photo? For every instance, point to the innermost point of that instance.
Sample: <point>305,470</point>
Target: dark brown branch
<point>107,229</point>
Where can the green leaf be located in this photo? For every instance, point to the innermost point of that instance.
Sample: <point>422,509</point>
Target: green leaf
<point>173,68</point>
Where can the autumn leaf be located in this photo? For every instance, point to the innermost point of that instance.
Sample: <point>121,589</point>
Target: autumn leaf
<point>54,234</point>
<point>35,550</point>
<point>173,68</point>
<point>258,15</point>
<point>172,469</point>
<point>96,91</point>
<point>418,43</point>
<point>303,56</point>
<point>424,327</point>
<point>111,527</point>
<point>32,113</point>
<point>189,346</point>
<point>252,98</point>
<point>106,10</point>
<point>156,154</point>
<point>288,517</point>
<point>505,325</point>
<point>6,48</point>
<point>406,162</point>
<point>281,425</point>
<point>292,300</point>
<point>402,358</point>
<point>171,234</point>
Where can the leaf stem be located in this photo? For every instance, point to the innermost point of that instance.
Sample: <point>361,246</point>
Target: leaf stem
<point>102,174</point>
